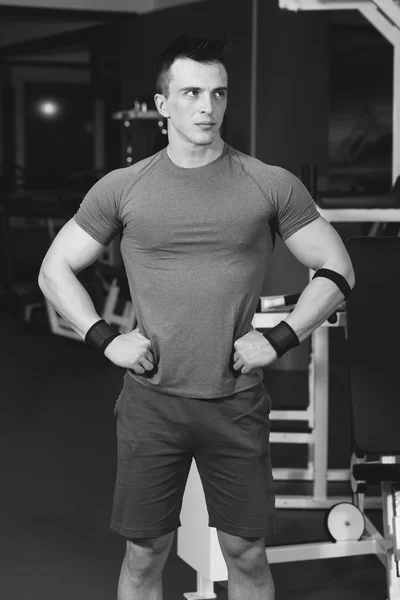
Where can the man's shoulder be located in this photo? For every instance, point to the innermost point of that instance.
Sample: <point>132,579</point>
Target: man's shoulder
<point>258,168</point>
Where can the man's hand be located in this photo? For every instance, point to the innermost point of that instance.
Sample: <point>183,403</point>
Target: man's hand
<point>252,350</point>
<point>131,351</point>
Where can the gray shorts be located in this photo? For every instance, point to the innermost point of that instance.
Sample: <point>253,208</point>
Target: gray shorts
<point>159,434</point>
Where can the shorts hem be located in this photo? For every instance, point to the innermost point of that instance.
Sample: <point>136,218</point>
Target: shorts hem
<point>142,533</point>
<point>245,531</point>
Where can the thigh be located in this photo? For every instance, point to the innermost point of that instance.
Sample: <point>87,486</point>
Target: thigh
<point>154,458</point>
<point>234,463</point>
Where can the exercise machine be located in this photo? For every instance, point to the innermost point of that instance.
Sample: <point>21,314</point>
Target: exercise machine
<point>139,111</point>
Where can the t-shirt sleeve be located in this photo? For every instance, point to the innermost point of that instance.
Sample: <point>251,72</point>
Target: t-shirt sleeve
<point>295,207</point>
<point>98,213</point>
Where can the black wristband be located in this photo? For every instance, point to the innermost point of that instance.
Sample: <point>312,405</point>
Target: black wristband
<point>100,335</point>
<point>282,338</point>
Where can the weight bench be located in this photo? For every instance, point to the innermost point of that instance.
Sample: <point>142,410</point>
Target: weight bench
<point>374,388</point>
<point>375,415</point>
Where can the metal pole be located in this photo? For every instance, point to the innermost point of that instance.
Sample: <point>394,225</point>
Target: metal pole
<point>253,93</point>
<point>99,134</point>
<point>396,111</point>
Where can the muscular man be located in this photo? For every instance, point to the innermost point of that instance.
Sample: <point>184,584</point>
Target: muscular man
<point>197,223</point>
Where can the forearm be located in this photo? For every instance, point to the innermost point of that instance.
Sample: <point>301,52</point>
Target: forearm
<point>319,300</point>
<point>68,296</point>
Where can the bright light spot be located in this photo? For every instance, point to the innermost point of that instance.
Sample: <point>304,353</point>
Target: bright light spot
<point>49,108</point>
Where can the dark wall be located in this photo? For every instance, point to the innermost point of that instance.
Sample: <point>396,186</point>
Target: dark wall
<point>293,87</point>
<point>65,141</point>
<point>143,39</point>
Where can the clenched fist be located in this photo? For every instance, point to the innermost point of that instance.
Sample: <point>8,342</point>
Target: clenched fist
<point>131,351</point>
<point>252,351</point>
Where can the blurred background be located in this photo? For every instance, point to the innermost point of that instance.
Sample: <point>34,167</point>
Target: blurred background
<point>76,101</point>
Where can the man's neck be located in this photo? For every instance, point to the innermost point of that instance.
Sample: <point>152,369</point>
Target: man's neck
<point>198,156</point>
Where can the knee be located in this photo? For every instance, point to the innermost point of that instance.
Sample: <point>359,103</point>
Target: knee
<point>246,555</point>
<point>146,557</point>
<point>252,563</point>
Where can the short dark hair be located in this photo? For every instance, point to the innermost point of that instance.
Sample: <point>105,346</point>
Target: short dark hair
<point>200,49</point>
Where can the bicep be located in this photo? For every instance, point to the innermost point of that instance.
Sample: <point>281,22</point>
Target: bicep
<point>317,244</point>
<point>74,247</point>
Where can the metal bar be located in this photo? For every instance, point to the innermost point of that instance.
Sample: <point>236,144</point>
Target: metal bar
<point>296,474</point>
<point>338,475</point>
<point>20,122</point>
<point>321,383</point>
<point>386,27</point>
<point>205,589</point>
<point>396,112</point>
<point>360,215</point>
<point>298,552</point>
<point>289,415</point>
<point>253,84</point>
<point>387,508</point>
<point>288,474</point>
<point>58,325</point>
<point>391,10</point>
<point>270,319</point>
<point>392,577</point>
<point>99,134</point>
<point>396,524</point>
<point>382,543</point>
<point>301,501</point>
<point>311,457</point>
<point>290,438</point>
<point>321,4</point>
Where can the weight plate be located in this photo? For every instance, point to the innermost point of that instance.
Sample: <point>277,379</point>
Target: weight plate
<point>345,522</point>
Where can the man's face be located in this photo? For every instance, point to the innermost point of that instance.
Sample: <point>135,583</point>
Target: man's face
<point>197,100</point>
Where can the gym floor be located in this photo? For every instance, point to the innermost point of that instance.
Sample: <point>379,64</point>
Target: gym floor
<point>58,457</point>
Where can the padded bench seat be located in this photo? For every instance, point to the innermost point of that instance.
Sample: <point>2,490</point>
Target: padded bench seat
<point>376,472</point>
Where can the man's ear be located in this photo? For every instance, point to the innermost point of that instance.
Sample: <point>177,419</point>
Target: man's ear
<point>161,104</point>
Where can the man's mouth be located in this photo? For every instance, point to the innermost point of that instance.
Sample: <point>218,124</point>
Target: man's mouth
<point>206,124</point>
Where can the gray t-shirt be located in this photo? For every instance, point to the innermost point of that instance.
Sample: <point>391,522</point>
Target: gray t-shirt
<point>196,245</point>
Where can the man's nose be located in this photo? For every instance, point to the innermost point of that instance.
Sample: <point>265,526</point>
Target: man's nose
<point>207,105</point>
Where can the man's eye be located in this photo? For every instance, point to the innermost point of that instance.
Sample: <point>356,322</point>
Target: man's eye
<point>220,95</point>
<point>192,93</point>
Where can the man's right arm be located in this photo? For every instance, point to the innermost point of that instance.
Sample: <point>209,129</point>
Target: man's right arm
<point>71,251</point>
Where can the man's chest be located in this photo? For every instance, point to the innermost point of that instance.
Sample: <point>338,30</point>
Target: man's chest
<point>175,217</point>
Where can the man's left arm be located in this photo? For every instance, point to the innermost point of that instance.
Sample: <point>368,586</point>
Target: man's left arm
<point>317,246</point>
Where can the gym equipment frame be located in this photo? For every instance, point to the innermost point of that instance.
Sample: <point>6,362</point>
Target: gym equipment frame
<point>139,111</point>
<point>317,411</point>
<point>123,320</point>
<point>205,556</point>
